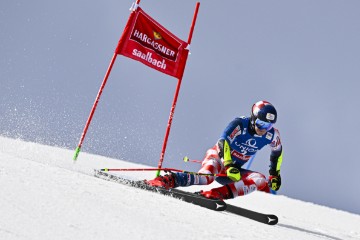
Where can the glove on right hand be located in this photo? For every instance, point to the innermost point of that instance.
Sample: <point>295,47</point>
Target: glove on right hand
<point>233,173</point>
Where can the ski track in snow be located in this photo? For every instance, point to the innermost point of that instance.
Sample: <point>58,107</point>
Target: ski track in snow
<point>44,195</point>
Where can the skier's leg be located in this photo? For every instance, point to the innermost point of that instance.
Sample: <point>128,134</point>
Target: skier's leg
<point>210,165</point>
<point>250,181</point>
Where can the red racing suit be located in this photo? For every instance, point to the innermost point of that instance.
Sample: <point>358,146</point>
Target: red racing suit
<point>244,143</point>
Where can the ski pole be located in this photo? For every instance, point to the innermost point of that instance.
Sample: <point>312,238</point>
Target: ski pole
<point>186,159</point>
<point>162,169</point>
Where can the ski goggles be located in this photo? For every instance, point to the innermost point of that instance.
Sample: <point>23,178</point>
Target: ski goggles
<point>263,125</point>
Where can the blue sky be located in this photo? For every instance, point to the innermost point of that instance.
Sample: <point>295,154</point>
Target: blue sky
<point>303,56</point>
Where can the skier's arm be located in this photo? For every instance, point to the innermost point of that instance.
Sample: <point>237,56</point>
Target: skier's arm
<point>232,130</point>
<point>275,162</point>
<point>225,153</point>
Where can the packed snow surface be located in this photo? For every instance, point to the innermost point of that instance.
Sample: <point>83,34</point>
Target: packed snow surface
<point>45,195</point>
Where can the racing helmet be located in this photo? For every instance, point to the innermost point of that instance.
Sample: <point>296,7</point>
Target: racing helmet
<point>263,115</point>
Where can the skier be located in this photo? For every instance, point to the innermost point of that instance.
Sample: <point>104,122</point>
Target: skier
<point>240,141</point>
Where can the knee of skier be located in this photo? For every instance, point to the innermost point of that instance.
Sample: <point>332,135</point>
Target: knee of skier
<point>260,181</point>
<point>211,165</point>
<point>210,156</point>
<point>204,180</point>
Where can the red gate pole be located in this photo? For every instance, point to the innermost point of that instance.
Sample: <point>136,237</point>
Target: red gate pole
<point>162,155</point>
<point>78,149</point>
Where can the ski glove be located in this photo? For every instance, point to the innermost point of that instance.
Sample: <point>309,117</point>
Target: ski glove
<point>274,180</point>
<point>233,173</point>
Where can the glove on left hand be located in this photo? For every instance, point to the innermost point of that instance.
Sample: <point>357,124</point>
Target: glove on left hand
<point>275,180</point>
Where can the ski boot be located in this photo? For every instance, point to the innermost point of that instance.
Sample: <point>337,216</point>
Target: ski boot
<point>220,193</point>
<point>167,181</point>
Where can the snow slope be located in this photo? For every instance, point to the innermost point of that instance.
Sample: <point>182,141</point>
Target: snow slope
<point>44,195</point>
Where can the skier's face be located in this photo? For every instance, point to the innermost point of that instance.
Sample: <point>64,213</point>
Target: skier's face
<point>260,132</point>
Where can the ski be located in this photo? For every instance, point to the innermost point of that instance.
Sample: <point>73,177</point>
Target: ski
<point>213,204</point>
<point>269,219</point>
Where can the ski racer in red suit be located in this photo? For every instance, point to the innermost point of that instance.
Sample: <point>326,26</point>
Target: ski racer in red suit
<point>240,141</point>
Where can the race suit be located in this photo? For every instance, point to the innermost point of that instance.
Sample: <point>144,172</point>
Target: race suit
<point>244,144</point>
